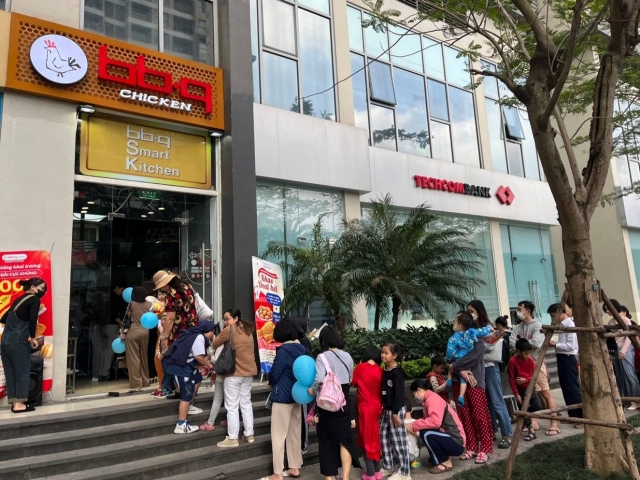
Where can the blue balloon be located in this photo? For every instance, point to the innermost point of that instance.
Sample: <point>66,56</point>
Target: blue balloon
<point>126,294</point>
<point>300,394</point>
<point>118,346</point>
<point>304,369</point>
<point>149,320</point>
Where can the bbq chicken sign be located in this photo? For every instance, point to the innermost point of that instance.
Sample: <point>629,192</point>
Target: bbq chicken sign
<point>59,62</point>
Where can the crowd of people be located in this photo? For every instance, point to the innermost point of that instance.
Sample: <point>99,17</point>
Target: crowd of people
<point>462,397</point>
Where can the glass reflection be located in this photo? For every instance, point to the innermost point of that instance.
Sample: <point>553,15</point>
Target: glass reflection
<point>316,64</point>
<point>319,5</point>
<point>383,127</point>
<point>457,67</point>
<point>514,153</point>
<point>438,100</point>
<point>188,29</point>
<point>411,112</point>
<point>496,135</point>
<point>255,51</point>
<point>490,84</point>
<point>463,127</point>
<point>280,82</point>
<point>407,51</point>
<point>441,141</point>
<point>279,25</point>
<point>125,20</point>
<point>354,17</point>
<point>381,83</point>
<point>433,62</point>
<point>376,43</point>
<point>358,81</point>
<point>529,154</point>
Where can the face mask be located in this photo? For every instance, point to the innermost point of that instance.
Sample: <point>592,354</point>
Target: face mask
<point>521,315</point>
<point>40,293</point>
<point>474,316</point>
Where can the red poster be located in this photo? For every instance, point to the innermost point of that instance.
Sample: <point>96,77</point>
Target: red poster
<point>16,266</point>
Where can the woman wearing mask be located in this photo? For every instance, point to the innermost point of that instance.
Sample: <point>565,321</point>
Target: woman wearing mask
<point>18,338</point>
<point>137,341</point>
<point>495,396</point>
<point>237,386</point>
<point>624,361</point>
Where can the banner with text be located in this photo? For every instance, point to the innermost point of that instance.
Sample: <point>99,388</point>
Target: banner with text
<point>16,266</point>
<point>268,293</point>
<point>142,153</point>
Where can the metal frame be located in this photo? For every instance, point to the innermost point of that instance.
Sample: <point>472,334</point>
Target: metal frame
<point>262,48</point>
<point>7,5</point>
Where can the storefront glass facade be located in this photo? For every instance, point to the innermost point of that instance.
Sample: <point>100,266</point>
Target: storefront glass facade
<point>634,240</point>
<point>529,268</point>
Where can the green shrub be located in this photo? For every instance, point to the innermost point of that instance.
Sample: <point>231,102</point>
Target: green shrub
<point>418,342</point>
<point>416,368</point>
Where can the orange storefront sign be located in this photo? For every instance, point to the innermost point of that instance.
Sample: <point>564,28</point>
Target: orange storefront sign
<point>59,62</point>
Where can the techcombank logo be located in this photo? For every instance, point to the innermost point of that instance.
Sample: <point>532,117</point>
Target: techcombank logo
<point>58,59</point>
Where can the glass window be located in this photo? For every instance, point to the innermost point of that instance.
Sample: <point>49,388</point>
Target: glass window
<point>490,84</point>
<point>457,67</point>
<point>496,135</point>
<point>359,83</point>
<point>406,51</point>
<point>433,62</point>
<point>279,26</point>
<point>624,176</point>
<point>634,241</point>
<point>463,128</point>
<point>319,5</point>
<point>512,122</point>
<point>354,17</point>
<point>376,43</point>
<point>186,26</point>
<point>316,65</point>
<point>441,141</point>
<point>383,127</point>
<point>634,168</point>
<point>529,153</point>
<point>438,100</point>
<point>255,51</point>
<point>381,83</point>
<point>280,77</point>
<point>514,154</point>
<point>411,114</point>
<point>2,4</point>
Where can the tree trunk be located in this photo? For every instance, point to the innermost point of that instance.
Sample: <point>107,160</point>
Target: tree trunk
<point>376,317</point>
<point>395,309</point>
<point>340,323</point>
<point>604,452</point>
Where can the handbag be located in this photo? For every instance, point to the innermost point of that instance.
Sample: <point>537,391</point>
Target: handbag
<point>226,363</point>
<point>311,415</point>
<point>126,321</point>
<point>268,402</point>
<point>202,309</point>
<point>493,353</point>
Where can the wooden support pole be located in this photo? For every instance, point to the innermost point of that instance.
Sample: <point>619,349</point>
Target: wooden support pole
<point>580,421</point>
<point>562,328</point>
<point>620,334</point>
<point>560,409</point>
<point>617,327</point>
<point>630,399</point>
<point>555,320</point>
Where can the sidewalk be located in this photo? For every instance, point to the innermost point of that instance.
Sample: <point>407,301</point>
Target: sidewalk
<point>313,472</point>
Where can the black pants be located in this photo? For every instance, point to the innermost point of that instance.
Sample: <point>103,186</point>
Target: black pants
<point>534,405</point>
<point>16,358</point>
<point>570,382</point>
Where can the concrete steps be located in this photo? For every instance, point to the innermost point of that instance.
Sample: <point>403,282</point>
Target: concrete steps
<point>133,441</point>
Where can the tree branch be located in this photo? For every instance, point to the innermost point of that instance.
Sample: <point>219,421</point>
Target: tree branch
<point>581,192</point>
<point>514,27</point>
<point>539,31</point>
<point>488,73</point>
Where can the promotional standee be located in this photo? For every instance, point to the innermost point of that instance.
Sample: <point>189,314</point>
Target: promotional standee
<point>16,266</point>
<point>268,293</point>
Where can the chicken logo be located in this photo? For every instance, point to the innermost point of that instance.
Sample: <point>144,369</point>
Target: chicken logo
<point>58,59</point>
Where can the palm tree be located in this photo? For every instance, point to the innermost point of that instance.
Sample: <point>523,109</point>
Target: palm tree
<point>402,261</point>
<point>313,273</point>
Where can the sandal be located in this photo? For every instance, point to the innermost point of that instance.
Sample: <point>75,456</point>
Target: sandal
<point>552,432</point>
<point>468,455</point>
<point>504,443</point>
<point>482,459</point>
<point>530,437</point>
<point>441,468</point>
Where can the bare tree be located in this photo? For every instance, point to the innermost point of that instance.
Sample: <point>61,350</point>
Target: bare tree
<point>557,58</point>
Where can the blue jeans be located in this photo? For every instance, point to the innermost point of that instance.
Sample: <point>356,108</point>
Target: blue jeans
<point>495,399</point>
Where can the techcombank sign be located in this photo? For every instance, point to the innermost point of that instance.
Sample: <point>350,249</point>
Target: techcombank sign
<point>59,62</point>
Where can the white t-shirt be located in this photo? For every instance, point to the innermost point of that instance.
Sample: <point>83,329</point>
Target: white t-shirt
<point>197,349</point>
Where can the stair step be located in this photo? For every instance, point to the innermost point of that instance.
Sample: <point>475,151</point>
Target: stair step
<point>53,443</point>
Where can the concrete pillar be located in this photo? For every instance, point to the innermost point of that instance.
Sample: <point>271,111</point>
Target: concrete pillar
<point>343,62</point>
<point>499,267</point>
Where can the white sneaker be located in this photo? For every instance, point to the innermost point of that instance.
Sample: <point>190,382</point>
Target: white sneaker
<point>193,410</point>
<point>95,379</point>
<point>186,427</point>
<point>399,476</point>
<point>388,472</point>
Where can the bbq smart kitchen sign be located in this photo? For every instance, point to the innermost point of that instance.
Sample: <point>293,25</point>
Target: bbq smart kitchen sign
<point>59,62</point>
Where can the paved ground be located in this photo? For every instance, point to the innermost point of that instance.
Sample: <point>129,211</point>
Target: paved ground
<point>313,472</point>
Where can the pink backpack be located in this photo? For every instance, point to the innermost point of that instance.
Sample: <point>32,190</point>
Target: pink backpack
<point>331,398</point>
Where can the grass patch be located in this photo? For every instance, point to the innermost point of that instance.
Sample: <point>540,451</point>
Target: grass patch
<point>558,460</point>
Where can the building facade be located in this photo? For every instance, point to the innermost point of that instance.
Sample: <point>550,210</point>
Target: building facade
<point>281,111</point>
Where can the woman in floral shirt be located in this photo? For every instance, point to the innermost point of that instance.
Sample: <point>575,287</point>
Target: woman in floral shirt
<point>180,308</point>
